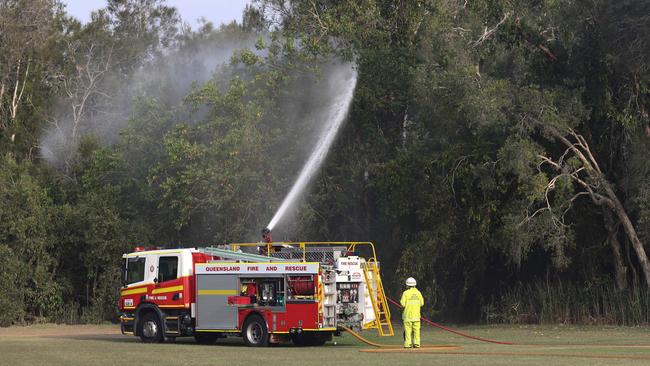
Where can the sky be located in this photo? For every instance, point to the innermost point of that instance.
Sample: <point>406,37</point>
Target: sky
<point>216,11</point>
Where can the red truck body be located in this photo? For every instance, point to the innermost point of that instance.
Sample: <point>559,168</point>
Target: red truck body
<point>210,294</point>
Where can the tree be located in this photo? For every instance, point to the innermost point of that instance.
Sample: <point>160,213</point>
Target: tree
<point>26,235</point>
<point>24,28</point>
<point>98,67</point>
<point>27,30</point>
<point>591,181</point>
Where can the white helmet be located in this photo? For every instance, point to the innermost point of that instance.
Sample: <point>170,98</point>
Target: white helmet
<point>410,282</point>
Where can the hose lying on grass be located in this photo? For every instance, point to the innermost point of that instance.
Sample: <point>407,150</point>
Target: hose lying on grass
<point>487,340</point>
<point>397,347</point>
<point>452,350</point>
<point>452,330</point>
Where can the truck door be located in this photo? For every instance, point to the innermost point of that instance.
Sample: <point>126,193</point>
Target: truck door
<point>169,287</point>
<point>150,268</point>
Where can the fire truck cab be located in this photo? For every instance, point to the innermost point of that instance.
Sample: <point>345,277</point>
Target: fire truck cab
<point>271,293</point>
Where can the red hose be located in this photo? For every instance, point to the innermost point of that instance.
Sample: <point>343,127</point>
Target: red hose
<point>451,330</point>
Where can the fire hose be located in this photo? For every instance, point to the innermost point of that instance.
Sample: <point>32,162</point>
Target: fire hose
<point>394,346</point>
<point>453,350</point>
<point>434,324</point>
<point>428,321</point>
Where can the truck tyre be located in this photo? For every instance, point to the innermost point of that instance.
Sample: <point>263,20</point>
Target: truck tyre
<point>255,332</point>
<point>150,329</point>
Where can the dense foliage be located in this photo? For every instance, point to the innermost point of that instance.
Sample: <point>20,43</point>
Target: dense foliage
<point>496,150</point>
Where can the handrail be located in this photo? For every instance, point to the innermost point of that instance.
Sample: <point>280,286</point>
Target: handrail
<point>225,253</point>
<point>351,246</point>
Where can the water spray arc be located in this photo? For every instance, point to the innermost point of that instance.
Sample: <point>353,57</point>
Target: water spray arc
<point>337,112</point>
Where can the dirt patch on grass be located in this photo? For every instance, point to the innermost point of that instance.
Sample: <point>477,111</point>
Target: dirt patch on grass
<point>63,331</point>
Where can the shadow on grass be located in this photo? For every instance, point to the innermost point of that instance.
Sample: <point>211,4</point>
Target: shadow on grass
<point>114,338</point>
<point>189,341</point>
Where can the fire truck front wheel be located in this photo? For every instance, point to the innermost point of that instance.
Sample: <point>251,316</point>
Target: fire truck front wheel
<point>255,332</point>
<point>151,330</point>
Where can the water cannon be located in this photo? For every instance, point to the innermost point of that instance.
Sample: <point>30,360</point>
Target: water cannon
<point>266,235</point>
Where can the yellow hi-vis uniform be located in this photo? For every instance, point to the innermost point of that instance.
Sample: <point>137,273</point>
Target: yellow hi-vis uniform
<point>412,301</point>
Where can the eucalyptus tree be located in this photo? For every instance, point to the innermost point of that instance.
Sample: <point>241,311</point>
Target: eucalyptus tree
<point>29,31</point>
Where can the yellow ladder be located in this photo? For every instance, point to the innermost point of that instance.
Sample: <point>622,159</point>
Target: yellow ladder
<point>378,299</point>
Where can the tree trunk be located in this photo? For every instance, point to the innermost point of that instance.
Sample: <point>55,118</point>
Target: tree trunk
<point>620,212</point>
<point>632,266</point>
<point>620,271</point>
<point>582,151</point>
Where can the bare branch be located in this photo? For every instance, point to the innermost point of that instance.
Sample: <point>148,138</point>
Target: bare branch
<point>583,144</point>
<point>324,29</point>
<point>585,161</point>
<point>487,33</point>
<point>570,203</point>
<point>22,89</point>
<point>15,100</point>
<point>530,217</point>
<point>563,156</point>
<point>453,175</point>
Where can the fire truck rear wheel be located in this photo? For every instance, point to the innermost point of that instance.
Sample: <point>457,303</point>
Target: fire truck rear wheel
<point>151,331</point>
<point>255,332</point>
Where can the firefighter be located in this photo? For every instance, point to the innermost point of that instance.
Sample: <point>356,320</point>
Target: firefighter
<point>412,301</point>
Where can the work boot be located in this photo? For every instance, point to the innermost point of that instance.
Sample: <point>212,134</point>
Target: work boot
<point>416,346</point>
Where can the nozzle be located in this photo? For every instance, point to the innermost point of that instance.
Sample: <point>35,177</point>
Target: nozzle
<point>266,235</point>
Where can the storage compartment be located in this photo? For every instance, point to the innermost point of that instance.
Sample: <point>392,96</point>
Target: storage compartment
<point>263,291</point>
<point>301,285</point>
<point>239,300</point>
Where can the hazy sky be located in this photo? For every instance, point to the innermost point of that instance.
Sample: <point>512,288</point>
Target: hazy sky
<point>216,11</point>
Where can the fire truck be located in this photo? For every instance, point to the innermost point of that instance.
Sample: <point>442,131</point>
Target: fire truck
<point>272,292</point>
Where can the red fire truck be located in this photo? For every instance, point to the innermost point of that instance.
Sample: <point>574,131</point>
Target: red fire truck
<point>263,292</point>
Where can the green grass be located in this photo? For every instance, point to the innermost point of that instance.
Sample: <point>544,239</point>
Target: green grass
<point>99,345</point>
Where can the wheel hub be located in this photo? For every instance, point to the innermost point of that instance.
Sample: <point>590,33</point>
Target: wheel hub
<point>255,333</point>
<point>150,329</point>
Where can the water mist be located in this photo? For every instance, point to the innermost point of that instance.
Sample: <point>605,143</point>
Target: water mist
<point>336,113</point>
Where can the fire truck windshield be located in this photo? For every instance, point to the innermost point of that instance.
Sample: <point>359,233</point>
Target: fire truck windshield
<point>134,270</point>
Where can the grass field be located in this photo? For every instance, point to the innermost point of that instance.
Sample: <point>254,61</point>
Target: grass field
<point>103,345</point>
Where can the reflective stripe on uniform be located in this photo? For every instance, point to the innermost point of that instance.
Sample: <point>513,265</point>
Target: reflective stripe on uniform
<point>411,301</point>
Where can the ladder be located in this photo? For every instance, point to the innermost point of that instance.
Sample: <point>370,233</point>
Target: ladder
<point>327,296</point>
<point>377,298</point>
